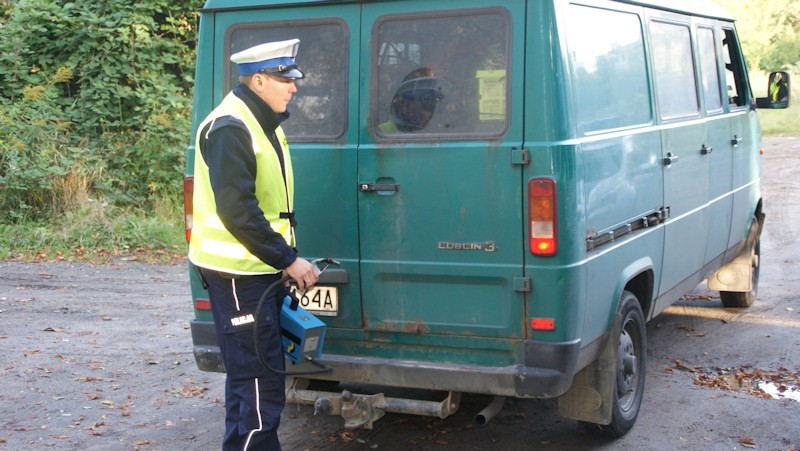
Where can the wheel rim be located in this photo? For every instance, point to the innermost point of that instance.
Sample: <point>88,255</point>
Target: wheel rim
<point>627,367</point>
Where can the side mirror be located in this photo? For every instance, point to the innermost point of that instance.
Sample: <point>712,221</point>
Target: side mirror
<point>778,89</point>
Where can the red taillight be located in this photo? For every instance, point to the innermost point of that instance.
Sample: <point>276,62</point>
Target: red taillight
<point>542,218</point>
<point>202,304</point>
<point>545,324</point>
<point>188,192</point>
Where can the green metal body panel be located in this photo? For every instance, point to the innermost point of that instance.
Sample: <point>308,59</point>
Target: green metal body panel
<point>440,276</point>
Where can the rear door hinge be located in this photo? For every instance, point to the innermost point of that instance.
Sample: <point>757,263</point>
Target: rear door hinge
<point>522,284</point>
<point>520,157</point>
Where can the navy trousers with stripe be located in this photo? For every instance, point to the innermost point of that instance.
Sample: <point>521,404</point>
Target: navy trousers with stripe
<point>254,395</point>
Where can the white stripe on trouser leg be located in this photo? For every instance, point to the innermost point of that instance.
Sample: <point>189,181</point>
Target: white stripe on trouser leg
<point>235,297</point>
<point>258,409</point>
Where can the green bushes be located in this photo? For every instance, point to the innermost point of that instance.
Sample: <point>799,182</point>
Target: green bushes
<point>94,104</point>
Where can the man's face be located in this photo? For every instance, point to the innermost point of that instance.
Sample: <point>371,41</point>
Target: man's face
<point>275,91</point>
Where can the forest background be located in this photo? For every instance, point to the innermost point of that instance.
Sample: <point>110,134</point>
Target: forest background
<point>95,109</point>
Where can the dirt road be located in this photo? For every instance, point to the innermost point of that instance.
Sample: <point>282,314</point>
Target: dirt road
<point>99,358</point>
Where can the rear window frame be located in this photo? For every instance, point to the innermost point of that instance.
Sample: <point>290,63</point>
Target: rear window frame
<point>374,122</point>
<point>229,70</point>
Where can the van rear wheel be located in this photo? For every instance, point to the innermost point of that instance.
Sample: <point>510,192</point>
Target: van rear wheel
<point>630,369</point>
<point>732,299</point>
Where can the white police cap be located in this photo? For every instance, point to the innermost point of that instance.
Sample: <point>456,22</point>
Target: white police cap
<point>275,58</point>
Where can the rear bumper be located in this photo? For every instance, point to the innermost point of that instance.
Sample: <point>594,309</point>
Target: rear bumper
<point>205,348</point>
<point>547,373</point>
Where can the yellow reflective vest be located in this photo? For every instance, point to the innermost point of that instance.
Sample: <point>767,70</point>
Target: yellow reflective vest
<point>212,246</point>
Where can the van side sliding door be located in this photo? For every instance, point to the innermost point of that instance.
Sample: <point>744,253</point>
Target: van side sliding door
<point>684,149</point>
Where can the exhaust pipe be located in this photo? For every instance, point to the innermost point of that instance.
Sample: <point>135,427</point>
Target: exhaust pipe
<point>489,412</point>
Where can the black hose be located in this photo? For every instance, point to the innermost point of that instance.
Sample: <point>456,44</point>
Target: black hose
<point>322,370</point>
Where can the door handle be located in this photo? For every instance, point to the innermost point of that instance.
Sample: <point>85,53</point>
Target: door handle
<point>373,187</point>
<point>706,150</point>
<point>736,141</point>
<point>670,158</point>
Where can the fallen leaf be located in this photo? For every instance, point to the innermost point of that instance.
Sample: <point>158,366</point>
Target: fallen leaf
<point>747,442</point>
<point>87,379</point>
<point>679,365</point>
<point>54,329</point>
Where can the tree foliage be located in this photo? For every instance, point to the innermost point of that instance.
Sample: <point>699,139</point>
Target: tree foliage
<point>98,91</point>
<point>770,32</point>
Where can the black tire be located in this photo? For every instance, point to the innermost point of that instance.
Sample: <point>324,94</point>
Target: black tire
<point>630,369</point>
<point>733,299</point>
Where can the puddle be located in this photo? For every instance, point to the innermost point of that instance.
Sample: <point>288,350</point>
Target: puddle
<point>780,391</point>
<point>782,383</point>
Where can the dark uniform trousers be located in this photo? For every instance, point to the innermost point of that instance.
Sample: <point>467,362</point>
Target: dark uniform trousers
<point>254,395</point>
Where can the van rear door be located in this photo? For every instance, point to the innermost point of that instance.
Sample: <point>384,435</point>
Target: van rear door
<point>322,132</point>
<point>439,193</point>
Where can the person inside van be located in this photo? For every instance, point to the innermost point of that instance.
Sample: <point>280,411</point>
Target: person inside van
<point>243,236</point>
<point>414,102</point>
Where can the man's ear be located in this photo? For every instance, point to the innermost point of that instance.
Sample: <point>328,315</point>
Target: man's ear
<point>257,82</point>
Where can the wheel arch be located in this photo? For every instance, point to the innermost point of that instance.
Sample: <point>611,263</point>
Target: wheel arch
<point>639,279</point>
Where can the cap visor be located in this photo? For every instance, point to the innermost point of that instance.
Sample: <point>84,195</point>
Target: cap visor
<point>293,74</point>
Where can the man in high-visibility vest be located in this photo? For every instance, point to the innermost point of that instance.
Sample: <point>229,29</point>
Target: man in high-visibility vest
<point>243,235</point>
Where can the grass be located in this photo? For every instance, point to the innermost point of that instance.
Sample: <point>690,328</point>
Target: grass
<point>100,233</point>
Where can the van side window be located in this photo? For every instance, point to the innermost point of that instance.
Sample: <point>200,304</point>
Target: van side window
<point>319,107</point>
<point>708,68</point>
<point>734,70</point>
<point>673,65</point>
<point>608,58</point>
<point>441,75</point>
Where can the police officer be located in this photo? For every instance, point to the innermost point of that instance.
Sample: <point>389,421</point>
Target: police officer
<point>243,235</point>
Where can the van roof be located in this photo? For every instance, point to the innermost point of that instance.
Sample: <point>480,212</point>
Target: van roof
<point>706,8</point>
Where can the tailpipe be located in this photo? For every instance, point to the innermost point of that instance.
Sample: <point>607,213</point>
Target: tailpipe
<point>489,412</point>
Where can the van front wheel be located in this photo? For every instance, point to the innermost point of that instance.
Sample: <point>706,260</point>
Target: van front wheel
<point>629,369</point>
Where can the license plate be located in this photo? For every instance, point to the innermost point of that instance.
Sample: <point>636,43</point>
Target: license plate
<point>319,300</point>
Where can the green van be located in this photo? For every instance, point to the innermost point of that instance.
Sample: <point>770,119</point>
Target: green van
<point>512,187</point>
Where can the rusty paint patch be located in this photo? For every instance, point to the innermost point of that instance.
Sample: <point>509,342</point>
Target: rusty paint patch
<point>409,327</point>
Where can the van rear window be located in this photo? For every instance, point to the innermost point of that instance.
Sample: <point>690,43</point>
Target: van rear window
<point>319,108</point>
<point>608,61</point>
<point>441,75</point>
